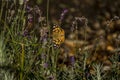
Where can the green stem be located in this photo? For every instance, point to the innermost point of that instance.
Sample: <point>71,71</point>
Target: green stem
<point>22,62</point>
<point>48,16</point>
<point>1,12</point>
<point>47,11</point>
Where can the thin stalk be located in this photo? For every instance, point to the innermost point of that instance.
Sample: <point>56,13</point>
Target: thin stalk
<point>22,14</point>
<point>47,11</point>
<point>22,61</point>
<point>48,16</point>
<point>85,59</point>
<point>6,15</point>
<point>1,12</point>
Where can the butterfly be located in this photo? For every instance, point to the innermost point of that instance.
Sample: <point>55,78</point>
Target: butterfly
<point>58,35</point>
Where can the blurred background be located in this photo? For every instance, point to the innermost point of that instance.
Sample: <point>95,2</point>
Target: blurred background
<point>94,10</point>
<point>97,12</point>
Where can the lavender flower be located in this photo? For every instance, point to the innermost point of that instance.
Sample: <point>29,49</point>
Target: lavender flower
<point>51,77</point>
<point>28,9</point>
<point>63,14</point>
<point>45,65</point>
<point>30,18</point>
<point>25,33</point>
<point>44,36</point>
<point>73,28</point>
<point>72,60</point>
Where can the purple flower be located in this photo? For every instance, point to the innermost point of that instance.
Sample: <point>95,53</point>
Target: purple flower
<point>28,8</point>
<point>73,28</point>
<point>25,33</point>
<point>72,60</point>
<point>30,18</point>
<point>51,77</point>
<point>63,14</point>
<point>43,35</point>
<point>65,11</point>
<point>45,65</point>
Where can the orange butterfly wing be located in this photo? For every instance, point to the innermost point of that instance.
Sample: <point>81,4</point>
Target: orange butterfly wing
<point>58,35</point>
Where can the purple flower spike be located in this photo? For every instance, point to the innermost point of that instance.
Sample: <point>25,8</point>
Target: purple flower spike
<point>65,11</point>
<point>72,60</point>
<point>63,14</point>
<point>30,17</point>
<point>45,65</point>
<point>25,33</point>
<point>27,8</point>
